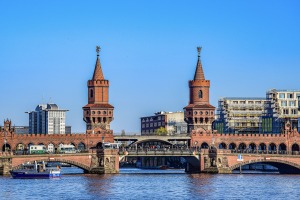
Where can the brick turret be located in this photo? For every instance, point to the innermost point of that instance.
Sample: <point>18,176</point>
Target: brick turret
<point>98,113</point>
<point>199,113</point>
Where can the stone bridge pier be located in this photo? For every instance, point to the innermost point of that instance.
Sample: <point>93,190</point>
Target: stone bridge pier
<point>206,162</point>
<point>105,161</point>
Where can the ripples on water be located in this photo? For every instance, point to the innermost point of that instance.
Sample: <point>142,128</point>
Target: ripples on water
<point>153,184</point>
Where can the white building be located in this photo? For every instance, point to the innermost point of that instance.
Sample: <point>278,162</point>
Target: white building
<point>239,114</point>
<point>47,119</point>
<point>281,106</point>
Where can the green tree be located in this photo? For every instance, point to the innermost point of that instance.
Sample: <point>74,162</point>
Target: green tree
<point>161,131</point>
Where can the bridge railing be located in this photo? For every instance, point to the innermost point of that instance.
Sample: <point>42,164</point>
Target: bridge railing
<point>254,151</point>
<point>161,151</point>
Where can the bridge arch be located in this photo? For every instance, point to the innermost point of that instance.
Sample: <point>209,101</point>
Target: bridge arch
<point>232,146</point>
<point>81,146</point>
<point>242,146</point>
<point>272,147</point>
<point>282,147</point>
<point>252,146</point>
<point>139,142</point>
<point>262,147</point>
<point>204,145</point>
<point>284,167</point>
<point>77,164</point>
<point>20,147</point>
<point>222,146</point>
<point>6,147</point>
<point>295,147</point>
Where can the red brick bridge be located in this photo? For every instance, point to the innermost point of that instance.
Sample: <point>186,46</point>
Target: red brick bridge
<point>97,161</point>
<point>218,152</point>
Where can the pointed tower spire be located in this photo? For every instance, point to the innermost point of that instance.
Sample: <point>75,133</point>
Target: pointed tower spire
<point>98,74</point>
<point>199,74</point>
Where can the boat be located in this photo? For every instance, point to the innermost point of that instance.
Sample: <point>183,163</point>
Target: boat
<point>163,167</point>
<point>35,171</point>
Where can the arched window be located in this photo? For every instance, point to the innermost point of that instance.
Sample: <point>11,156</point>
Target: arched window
<point>91,93</point>
<point>200,94</point>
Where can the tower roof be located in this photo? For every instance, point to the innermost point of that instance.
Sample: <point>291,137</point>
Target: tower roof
<point>199,74</point>
<point>98,74</point>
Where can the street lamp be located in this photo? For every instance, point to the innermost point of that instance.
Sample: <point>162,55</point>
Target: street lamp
<point>5,141</point>
<point>103,142</point>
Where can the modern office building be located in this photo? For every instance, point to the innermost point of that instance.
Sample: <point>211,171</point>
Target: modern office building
<point>47,119</point>
<point>239,114</point>
<point>281,106</point>
<point>173,122</point>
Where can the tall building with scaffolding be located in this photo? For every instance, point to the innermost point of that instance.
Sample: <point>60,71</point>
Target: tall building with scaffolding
<point>281,106</point>
<point>239,114</point>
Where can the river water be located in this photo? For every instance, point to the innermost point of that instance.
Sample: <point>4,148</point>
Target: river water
<point>153,184</point>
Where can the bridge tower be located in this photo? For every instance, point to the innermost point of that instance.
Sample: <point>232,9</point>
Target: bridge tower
<point>199,113</point>
<point>98,113</point>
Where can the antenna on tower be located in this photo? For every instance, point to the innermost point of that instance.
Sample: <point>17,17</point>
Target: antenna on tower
<point>50,99</point>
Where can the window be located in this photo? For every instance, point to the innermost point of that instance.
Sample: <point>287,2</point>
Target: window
<point>99,112</point>
<point>200,94</point>
<point>292,103</point>
<point>283,103</point>
<point>281,95</point>
<point>290,96</point>
<point>91,93</point>
<point>294,111</point>
<point>285,111</point>
<point>195,113</point>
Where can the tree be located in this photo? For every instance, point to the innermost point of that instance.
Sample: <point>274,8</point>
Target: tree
<point>161,131</point>
<point>123,132</point>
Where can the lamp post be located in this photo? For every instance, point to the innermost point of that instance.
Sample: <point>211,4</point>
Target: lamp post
<point>103,142</point>
<point>5,141</point>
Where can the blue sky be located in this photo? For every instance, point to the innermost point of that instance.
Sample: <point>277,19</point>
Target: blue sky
<point>47,53</point>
